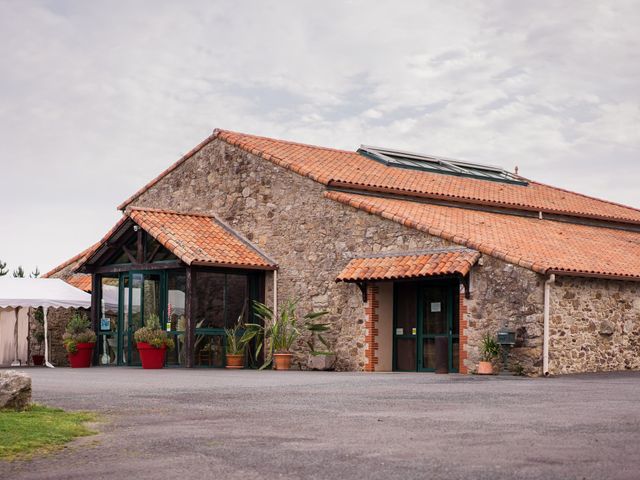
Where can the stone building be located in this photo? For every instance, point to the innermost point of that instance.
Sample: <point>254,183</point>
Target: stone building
<point>403,250</point>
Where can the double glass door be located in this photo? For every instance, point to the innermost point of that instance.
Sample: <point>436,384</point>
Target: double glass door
<point>142,301</point>
<point>424,311</point>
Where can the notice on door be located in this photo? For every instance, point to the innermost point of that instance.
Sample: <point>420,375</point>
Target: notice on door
<point>399,331</point>
<point>436,307</point>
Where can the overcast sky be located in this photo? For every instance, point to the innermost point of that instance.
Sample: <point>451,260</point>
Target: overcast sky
<point>98,97</point>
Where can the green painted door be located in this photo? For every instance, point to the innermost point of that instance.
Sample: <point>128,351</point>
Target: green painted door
<point>142,295</point>
<point>424,311</point>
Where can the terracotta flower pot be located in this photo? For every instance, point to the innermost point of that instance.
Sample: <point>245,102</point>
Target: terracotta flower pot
<point>38,360</point>
<point>282,360</point>
<point>485,368</point>
<point>151,357</point>
<point>235,361</point>
<point>82,356</point>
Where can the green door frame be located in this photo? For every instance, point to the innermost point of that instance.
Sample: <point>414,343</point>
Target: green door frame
<point>129,332</point>
<point>420,336</point>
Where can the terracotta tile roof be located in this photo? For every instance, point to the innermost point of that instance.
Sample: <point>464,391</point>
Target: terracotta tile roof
<point>81,281</point>
<point>424,264</point>
<point>350,169</point>
<point>544,246</point>
<point>200,239</point>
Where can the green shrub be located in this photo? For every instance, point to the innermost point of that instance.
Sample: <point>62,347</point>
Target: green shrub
<point>152,334</point>
<point>78,331</point>
<point>489,348</point>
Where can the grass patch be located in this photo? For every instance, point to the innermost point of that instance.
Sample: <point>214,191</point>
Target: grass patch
<point>39,430</point>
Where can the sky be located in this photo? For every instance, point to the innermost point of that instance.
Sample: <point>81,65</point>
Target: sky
<point>98,97</point>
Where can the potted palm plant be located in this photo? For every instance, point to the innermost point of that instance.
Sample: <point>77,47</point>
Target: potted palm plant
<point>320,357</point>
<point>235,346</point>
<point>278,332</point>
<point>79,341</point>
<point>152,343</point>
<point>489,352</point>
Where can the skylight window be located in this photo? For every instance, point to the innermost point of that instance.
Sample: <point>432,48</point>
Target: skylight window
<point>428,163</point>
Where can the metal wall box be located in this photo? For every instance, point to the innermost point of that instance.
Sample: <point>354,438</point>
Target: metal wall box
<point>507,337</point>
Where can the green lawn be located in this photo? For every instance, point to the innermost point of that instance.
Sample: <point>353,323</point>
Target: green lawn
<point>39,430</point>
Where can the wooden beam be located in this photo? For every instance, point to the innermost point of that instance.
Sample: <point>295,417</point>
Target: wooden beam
<point>153,253</point>
<point>142,266</point>
<point>140,247</point>
<point>190,331</point>
<point>132,257</point>
<point>96,291</point>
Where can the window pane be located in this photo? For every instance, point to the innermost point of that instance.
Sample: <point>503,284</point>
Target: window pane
<point>176,298</point>
<point>406,308</point>
<point>429,353</point>
<point>108,327</point>
<point>209,300</point>
<point>435,311</point>
<point>237,299</point>
<point>406,354</point>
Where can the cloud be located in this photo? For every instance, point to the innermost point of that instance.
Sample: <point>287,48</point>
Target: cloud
<point>96,99</point>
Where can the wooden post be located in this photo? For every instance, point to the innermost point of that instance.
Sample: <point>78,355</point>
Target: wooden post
<point>190,332</point>
<point>96,290</point>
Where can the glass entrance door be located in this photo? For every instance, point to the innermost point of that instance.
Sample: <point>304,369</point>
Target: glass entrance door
<point>142,299</point>
<point>422,313</point>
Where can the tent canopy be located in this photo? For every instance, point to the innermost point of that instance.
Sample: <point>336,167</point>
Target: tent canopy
<point>41,292</point>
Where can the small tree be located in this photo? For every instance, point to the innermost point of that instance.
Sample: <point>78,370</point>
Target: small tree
<point>19,272</point>
<point>3,268</point>
<point>35,273</point>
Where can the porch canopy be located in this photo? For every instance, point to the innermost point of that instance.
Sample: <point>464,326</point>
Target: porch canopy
<point>18,293</point>
<point>407,265</point>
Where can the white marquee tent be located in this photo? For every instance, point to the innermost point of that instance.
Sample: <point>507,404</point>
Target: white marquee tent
<point>17,294</point>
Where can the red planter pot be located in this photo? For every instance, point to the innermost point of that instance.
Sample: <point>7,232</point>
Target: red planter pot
<point>38,360</point>
<point>82,357</point>
<point>151,356</point>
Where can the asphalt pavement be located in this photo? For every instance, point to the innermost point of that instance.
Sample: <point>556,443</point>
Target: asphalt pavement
<point>210,424</point>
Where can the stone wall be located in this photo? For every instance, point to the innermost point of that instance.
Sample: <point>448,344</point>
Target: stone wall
<point>594,325</point>
<point>505,296</point>
<point>57,319</point>
<point>311,238</point>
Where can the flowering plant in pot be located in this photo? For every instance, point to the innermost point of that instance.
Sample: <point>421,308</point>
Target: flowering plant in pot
<point>79,341</point>
<point>152,343</point>
<point>489,352</point>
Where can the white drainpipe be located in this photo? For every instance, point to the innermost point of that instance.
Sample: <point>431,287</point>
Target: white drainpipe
<point>275,294</point>
<point>545,339</point>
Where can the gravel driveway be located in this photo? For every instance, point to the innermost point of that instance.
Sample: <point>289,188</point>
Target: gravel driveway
<point>206,424</point>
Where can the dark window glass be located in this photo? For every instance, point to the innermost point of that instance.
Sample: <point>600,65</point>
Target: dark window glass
<point>209,311</point>
<point>406,354</point>
<point>435,311</point>
<point>429,353</point>
<point>406,308</point>
<point>237,299</point>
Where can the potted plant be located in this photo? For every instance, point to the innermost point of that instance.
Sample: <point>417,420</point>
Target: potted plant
<point>79,341</point>
<point>319,359</point>
<point>152,343</point>
<point>489,352</point>
<point>235,346</point>
<point>278,332</point>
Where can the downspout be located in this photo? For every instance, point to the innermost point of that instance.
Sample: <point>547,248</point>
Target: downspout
<point>545,338</point>
<point>275,294</point>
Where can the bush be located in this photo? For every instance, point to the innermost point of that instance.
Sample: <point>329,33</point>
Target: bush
<point>152,334</point>
<point>78,331</point>
<point>489,348</point>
